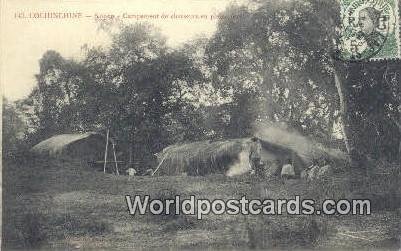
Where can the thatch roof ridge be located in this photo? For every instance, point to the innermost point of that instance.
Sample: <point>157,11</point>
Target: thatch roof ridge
<point>198,155</point>
<point>56,144</point>
<point>209,156</point>
<point>306,147</point>
<point>198,147</point>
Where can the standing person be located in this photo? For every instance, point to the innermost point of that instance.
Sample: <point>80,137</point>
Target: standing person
<point>255,154</point>
<point>288,172</point>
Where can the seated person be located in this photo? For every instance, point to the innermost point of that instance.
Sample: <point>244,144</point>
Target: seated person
<point>306,172</point>
<point>149,172</point>
<point>288,172</point>
<point>326,169</point>
<point>131,172</point>
<point>312,174</point>
<point>272,168</point>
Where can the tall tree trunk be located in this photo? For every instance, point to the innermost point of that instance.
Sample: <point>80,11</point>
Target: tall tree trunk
<point>398,124</point>
<point>130,154</point>
<point>340,79</point>
<point>345,123</point>
<point>399,145</point>
<point>131,146</point>
<point>105,151</point>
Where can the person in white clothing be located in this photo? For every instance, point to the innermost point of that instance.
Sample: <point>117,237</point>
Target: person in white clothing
<point>288,172</point>
<point>131,172</point>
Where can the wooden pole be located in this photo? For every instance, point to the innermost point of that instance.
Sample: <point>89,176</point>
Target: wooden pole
<point>105,152</point>
<point>115,159</point>
<point>160,164</point>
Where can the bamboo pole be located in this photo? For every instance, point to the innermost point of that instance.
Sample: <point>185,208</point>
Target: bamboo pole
<point>115,159</point>
<point>105,152</point>
<point>158,166</point>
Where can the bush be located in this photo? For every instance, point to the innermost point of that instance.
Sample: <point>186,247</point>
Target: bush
<point>172,221</point>
<point>74,225</point>
<point>31,231</point>
<point>96,228</point>
<point>291,231</point>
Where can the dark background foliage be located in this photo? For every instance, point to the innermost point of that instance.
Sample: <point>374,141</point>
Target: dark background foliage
<point>273,62</point>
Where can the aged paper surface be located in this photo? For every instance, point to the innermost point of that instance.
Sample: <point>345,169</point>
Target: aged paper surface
<point>194,124</point>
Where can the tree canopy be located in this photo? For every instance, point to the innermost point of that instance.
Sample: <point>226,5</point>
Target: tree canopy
<point>269,61</point>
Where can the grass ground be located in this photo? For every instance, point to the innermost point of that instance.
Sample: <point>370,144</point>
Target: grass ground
<point>61,206</point>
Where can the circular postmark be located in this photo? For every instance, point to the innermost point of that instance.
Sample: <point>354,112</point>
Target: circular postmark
<point>366,25</point>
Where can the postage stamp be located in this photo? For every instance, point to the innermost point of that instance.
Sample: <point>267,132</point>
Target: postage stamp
<point>370,29</point>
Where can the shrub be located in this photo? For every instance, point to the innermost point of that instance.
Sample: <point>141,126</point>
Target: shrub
<point>31,231</point>
<point>294,231</point>
<point>172,221</point>
<point>74,225</point>
<point>96,228</point>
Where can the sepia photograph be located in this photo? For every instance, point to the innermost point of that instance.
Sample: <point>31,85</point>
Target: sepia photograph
<point>200,124</point>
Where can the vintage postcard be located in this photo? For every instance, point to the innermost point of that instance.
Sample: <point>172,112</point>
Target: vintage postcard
<point>200,124</point>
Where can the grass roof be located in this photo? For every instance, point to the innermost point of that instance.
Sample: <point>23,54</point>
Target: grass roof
<point>56,144</point>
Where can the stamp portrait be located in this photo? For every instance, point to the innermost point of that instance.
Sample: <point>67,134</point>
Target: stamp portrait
<point>369,29</point>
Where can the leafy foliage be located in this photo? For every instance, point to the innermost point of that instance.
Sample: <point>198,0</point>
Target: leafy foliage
<point>272,62</point>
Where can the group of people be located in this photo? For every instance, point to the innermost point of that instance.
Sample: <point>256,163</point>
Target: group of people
<point>318,169</point>
<point>132,172</point>
<point>286,171</point>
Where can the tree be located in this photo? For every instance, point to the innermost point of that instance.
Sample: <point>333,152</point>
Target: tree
<point>54,104</point>
<point>142,91</point>
<point>256,53</point>
<point>143,87</point>
<point>286,51</point>
<point>13,130</point>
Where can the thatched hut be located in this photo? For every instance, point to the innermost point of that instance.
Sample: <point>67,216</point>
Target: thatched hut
<point>83,147</point>
<point>279,143</point>
<point>198,158</point>
<point>227,156</point>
